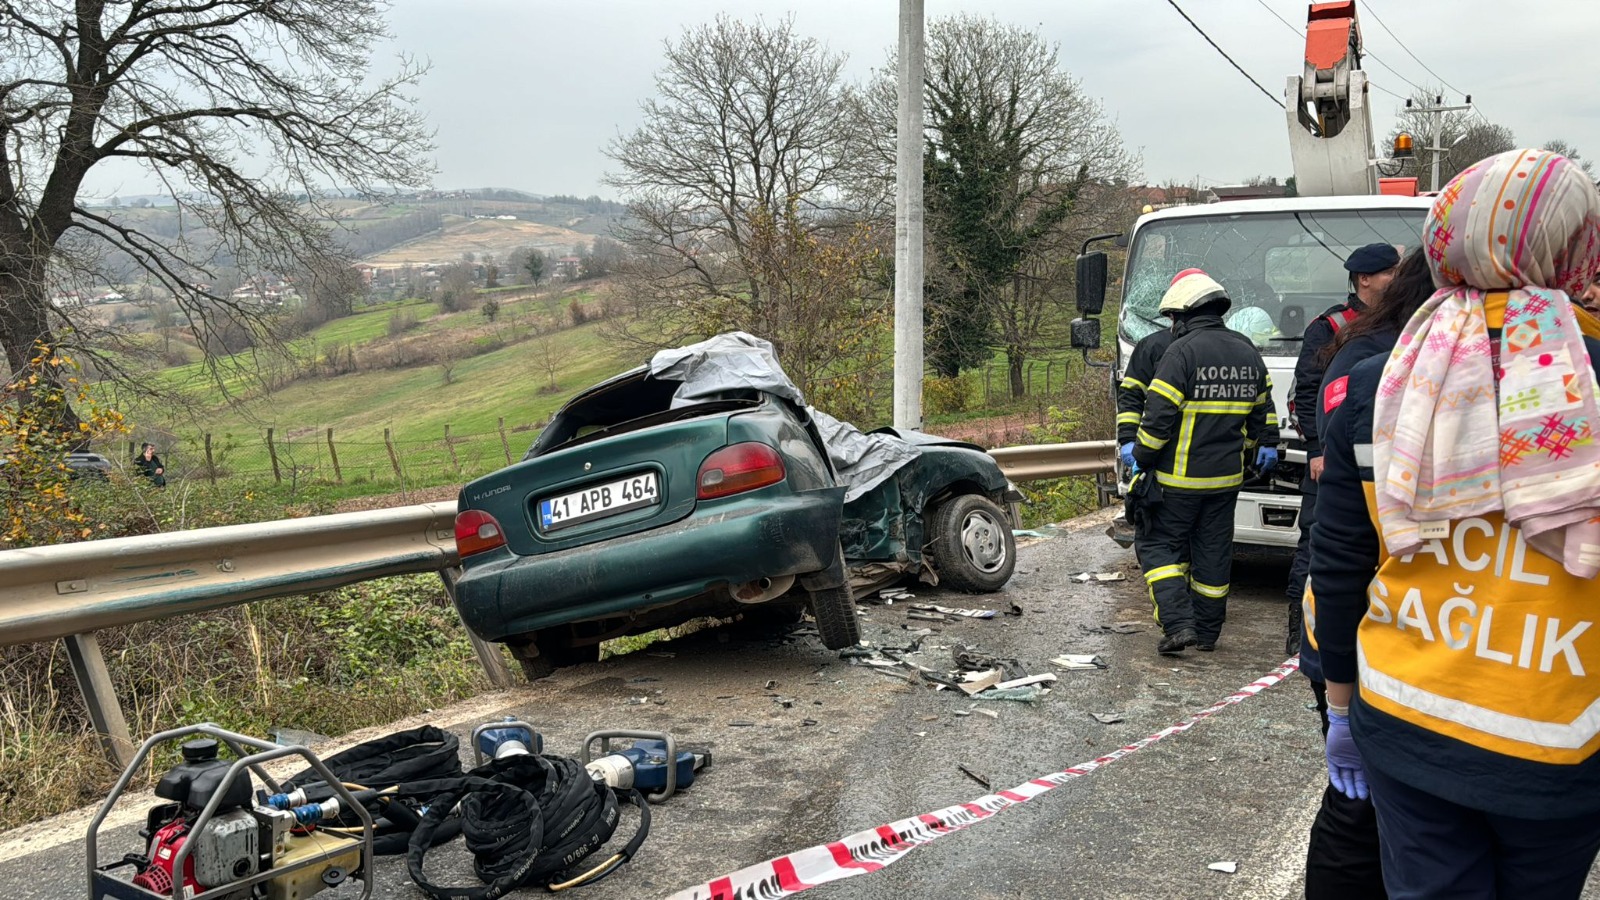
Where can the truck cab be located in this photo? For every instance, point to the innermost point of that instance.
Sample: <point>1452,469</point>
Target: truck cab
<point>1282,263</point>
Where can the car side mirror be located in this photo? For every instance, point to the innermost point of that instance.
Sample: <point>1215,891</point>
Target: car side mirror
<point>1086,334</point>
<point>1091,283</point>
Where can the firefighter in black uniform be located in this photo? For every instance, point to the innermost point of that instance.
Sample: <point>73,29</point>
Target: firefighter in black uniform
<point>1371,269</point>
<point>1209,405</point>
<point>1136,380</point>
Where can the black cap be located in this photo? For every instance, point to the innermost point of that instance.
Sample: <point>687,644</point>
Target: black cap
<point>1372,258</point>
<point>199,750</point>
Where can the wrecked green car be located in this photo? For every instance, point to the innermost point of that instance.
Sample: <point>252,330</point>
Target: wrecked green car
<point>702,485</point>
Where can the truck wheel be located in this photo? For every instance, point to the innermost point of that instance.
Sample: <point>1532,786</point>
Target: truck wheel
<point>973,547</point>
<point>835,611</point>
<point>543,652</point>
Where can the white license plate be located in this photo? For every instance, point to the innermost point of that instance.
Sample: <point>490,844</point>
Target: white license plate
<point>598,501</point>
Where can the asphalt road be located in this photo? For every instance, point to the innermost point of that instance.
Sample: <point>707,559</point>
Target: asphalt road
<point>855,748</point>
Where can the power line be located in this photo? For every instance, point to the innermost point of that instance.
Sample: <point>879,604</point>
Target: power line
<point>1299,33</point>
<point>1374,14</point>
<point>1174,5</point>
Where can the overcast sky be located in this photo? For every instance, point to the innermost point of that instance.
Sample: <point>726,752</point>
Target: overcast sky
<point>526,93</point>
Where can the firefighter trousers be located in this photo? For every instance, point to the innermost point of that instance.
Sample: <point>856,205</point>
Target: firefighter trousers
<point>1186,551</point>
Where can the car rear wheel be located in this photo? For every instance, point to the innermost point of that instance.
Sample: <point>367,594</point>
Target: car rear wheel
<point>973,547</point>
<point>835,612</point>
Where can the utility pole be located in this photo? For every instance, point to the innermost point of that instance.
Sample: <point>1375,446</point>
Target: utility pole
<point>1436,109</point>
<point>908,224</point>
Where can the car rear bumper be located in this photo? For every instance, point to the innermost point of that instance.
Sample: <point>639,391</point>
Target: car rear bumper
<point>729,541</point>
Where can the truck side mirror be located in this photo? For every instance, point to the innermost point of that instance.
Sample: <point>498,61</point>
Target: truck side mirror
<point>1086,334</point>
<point>1091,283</point>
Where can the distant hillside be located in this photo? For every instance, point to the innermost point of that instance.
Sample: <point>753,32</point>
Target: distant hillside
<point>366,229</point>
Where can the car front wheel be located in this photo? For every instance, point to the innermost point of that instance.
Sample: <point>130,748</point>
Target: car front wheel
<point>973,547</point>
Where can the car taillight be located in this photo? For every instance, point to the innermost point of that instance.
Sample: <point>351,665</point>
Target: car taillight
<point>739,467</point>
<point>477,531</point>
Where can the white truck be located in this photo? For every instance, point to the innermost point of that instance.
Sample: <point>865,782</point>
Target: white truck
<point>1280,259</point>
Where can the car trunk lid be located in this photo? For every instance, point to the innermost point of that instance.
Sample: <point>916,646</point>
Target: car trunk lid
<point>592,491</point>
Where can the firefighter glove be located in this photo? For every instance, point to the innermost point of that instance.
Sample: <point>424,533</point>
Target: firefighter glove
<point>1345,770</point>
<point>1126,452</point>
<point>1266,459</point>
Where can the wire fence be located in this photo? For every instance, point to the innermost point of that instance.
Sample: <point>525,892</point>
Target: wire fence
<point>297,456</point>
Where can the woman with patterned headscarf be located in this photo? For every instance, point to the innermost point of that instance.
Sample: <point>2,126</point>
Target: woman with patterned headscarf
<point>1458,634</point>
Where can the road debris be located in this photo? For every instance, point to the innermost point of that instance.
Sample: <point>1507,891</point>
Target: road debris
<point>1024,694</point>
<point>986,712</point>
<point>1107,718</point>
<point>1101,577</point>
<point>1079,661</point>
<point>981,779</point>
<point>1228,866</point>
<point>740,723</point>
<point>1119,628</point>
<point>771,683</point>
<point>956,611</point>
<point>975,682</point>
<point>890,595</point>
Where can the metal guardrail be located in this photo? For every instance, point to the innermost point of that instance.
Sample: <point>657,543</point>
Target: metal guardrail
<point>56,591</point>
<point>71,591</point>
<point>1037,462</point>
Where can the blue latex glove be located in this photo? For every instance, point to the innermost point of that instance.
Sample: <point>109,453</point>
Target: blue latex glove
<point>1266,459</point>
<point>1345,770</point>
<point>1126,452</point>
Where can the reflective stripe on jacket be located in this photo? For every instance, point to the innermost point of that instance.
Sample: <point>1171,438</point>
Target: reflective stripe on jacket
<point>1136,380</point>
<point>1476,657</point>
<point>1210,401</point>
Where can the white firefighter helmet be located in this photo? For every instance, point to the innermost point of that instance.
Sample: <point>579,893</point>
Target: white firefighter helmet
<point>1190,289</point>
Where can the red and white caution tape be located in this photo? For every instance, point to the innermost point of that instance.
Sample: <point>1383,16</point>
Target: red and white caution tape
<point>871,850</point>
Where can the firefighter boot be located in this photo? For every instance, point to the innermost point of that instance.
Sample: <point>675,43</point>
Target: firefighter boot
<point>1173,644</point>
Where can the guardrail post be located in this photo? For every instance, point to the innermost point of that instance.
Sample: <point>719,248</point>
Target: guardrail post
<point>505,444</point>
<point>338,476</point>
<point>272,452</point>
<point>94,682</point>
<point>394,458</point>
<point>494,664</point>
<point>211,465</point>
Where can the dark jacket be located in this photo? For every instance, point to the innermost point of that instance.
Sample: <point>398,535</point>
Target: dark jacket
<point>1136,380</point>
<point>1308,371</point>
<point>1211,400</point>
<point>1436,604</point>
<point>1335,387</point>
<point>148,467</point>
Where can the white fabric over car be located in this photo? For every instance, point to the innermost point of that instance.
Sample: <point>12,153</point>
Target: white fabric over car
<point>737,361</point>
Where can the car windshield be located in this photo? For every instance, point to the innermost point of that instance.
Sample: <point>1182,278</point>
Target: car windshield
<point>1281,269</point>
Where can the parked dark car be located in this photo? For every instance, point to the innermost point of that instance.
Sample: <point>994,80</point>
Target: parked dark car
<point>639,507</point>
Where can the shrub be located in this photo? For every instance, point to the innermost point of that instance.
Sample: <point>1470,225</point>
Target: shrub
<point>43,501</point>
<point>946,396</point>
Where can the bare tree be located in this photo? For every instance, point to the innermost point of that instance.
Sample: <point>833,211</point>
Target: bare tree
<point>1571,152</point>
<point>746,141</point>
<point>1466,137</point>
<point>245,109</point>
<point>456,291</point>
<point>1021,164</point>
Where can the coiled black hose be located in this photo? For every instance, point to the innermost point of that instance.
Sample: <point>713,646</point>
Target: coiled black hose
<point>527,820</point>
